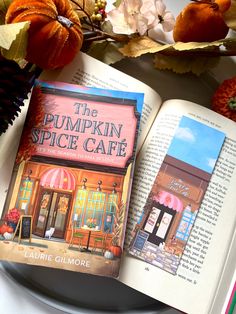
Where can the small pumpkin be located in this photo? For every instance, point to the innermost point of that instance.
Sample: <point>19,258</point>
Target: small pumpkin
<point>108,255</point>
<point>202,21</point>
<point>55,34</point>
<point>10,229</point>
<point>3,229</point>
<point>8,236</point>
<point>116,250</point>
<point>224,99</point>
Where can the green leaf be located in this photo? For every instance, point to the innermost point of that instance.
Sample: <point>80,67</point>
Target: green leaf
<point>13,40</point>
<point>117,3</point>
<point>106,51</point>
<point>196,65</point>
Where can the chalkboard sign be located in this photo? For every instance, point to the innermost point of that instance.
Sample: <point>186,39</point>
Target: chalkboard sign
<point>24,228</point>
<point>140,240</point>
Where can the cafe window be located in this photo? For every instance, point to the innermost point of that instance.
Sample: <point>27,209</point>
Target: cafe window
<point>185,224</point>
<point>80,205</point>
<point>110,211</point>
<point>95,209</point>
<point>24,194</point>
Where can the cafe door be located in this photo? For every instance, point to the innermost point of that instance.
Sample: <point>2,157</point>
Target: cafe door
<point>52,212</point>
<point>158,223</point>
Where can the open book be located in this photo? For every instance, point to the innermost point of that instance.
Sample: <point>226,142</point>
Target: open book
<point>206,261</point>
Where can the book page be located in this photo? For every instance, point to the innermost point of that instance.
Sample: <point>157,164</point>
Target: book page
<point>193,287</point>
<point>87,71</point>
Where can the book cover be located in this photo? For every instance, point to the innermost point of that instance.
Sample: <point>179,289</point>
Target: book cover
<point>68,198</point>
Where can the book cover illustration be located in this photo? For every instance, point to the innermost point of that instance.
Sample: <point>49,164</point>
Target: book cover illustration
<point>68,198</point>
<point>171,208</point>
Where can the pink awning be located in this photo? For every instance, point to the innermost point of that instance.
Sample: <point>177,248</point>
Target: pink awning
<point>169,200</point>
<point>58,178</point>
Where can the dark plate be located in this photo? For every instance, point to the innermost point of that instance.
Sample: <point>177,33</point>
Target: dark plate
<point>74,292</point>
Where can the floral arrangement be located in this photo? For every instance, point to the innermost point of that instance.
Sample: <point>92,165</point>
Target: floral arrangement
<point>47,34</point>
<point>91,222</point>
<point>12,216</point>
<point>50,33</point>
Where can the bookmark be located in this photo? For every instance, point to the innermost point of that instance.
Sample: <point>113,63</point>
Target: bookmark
<point>176,195</point>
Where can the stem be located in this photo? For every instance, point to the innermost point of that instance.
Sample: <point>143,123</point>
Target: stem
<point>212,3</point>
<point>232,103</point>
<point>99,35</point>
<point>83,10</point>
<point>198,53</point>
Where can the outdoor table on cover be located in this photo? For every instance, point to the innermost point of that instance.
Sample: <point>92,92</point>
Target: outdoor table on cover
<point>90,230</point>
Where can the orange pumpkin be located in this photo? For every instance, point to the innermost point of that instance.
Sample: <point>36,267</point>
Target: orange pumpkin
<point>3,228</point>
<point>202,21</point>
<point>116,250</point>
<point>224,99</point>
<point>55,34</point>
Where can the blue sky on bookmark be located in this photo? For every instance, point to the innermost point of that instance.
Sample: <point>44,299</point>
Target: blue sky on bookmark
<point>196,144</point>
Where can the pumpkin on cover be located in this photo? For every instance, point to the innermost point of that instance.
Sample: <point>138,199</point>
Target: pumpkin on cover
<point>108,255</point>
<point>116,250</point>
<point>3,228</point>
<point>224,99</point>
<point>8,236</point>
<point>55,34</point>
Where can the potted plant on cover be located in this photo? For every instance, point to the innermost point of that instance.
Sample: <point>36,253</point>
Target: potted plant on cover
<point>115,247</point>
<point>12,218</point>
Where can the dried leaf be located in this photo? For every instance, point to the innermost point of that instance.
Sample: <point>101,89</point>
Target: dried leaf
<point>13,40</point>
<point>230,15</point>
<point>106,51</point>
<point>83,7</point>
<point>197,45</point>
<point>141,45</point>
<point>4,4</point>
<point>196,65</point>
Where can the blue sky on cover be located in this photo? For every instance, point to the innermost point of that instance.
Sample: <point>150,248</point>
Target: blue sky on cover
<point>138,97</point>
<point>196,144</point>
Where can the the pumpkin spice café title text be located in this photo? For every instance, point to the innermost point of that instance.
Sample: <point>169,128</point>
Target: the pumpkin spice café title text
<point>114,146</point>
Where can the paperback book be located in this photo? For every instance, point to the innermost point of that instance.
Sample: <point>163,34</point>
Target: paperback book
<point>69,194</point>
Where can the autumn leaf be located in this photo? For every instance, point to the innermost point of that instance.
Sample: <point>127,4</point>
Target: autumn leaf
<point>83,7</point>
<point>230,15</point>
<point>141,45</point>
<point>106,51</point>
<point>13,40</point>
<point>197,45</point>
<point>180,65</point>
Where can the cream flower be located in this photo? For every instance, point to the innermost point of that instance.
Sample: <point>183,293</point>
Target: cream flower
<point>126,19</point>
<point>156,14</point>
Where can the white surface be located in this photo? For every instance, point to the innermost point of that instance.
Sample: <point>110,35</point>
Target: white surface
<point>16,300</point>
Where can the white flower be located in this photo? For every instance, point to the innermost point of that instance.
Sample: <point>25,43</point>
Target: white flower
<point>156,14</point>
<point>126,19</point>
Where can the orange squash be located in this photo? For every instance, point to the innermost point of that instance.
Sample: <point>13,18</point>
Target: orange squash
<point>55,34</point>
<point>202,21</point>
<point>224,99</point>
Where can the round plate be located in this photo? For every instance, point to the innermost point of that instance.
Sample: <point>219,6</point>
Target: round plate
<point>81,293</point>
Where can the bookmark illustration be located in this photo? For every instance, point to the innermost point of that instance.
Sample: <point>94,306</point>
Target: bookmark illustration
<point>176,195</point>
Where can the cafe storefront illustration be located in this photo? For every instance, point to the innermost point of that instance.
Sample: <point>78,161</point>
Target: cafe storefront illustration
<point>170,212</point>
<point>58,196</point>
